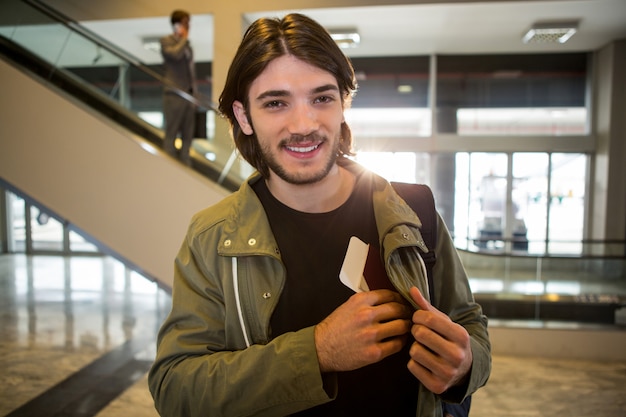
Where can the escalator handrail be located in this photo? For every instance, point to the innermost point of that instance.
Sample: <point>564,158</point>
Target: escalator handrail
<point>118,52</point>
<point>64,80</point>
<point>69,84</point>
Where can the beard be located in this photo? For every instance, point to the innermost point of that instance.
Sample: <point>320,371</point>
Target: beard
<point>301,178</point>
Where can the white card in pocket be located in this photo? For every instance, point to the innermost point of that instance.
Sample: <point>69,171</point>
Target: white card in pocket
<point>351,274</point>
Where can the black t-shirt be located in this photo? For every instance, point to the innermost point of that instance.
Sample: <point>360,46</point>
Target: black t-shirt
<point>313,246</point>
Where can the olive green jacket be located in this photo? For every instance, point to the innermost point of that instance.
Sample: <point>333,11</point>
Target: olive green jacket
<point>215,354</point>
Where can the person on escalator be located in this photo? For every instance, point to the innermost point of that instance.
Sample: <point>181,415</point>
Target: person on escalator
<point>178,111</point>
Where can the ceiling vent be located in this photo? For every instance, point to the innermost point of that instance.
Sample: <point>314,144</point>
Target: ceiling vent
<point>551,32</point>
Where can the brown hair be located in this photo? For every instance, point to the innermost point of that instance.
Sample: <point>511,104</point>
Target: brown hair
<point>178,16</point>
<point>267,39</point>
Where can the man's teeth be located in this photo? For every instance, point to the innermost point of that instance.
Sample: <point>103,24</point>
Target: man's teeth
<point>301,149</point>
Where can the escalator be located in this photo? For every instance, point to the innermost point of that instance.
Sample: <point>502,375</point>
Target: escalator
<point>89,159</point>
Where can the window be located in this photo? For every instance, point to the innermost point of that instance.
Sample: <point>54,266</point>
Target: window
<point>566,202</point>
<point>495,205</point>
<point>392,98</point>
<point>512,94</point>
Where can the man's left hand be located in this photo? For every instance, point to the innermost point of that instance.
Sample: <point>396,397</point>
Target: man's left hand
<point>441,356</point>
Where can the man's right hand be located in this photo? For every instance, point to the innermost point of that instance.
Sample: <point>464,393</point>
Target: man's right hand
<point>365,329</point>
<point>181,31</point>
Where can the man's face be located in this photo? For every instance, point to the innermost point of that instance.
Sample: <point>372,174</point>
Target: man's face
<point>182,27</point>
<point>296,112</point>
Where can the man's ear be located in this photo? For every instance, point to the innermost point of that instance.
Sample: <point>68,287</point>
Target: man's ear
<point>242,118</point>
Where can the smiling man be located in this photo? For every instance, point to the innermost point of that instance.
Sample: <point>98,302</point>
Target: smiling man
<point>261,324</point>
<point>298,122</point>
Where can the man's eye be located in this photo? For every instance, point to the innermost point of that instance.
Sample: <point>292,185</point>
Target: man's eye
<point>323,99</point>
<point>273,104</point>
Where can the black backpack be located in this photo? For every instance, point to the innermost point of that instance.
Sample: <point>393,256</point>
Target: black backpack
<point>420,198</point>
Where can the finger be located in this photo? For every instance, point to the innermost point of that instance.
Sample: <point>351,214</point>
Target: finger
<point>443,370</point>
<point>385,348</point>
<point>425,356</point>
<point>426,377</point>
<point>419,299</point>
<point>394,344</point>
<point>377,297</point>
<point>442,353</point>
<point>428,315</point>
<point>392,311</point>
<point>428,366</point>
<point>429,327</point>
<point>393,329</point>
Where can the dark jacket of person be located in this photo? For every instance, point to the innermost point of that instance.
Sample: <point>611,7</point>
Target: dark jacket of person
<point>178,62</point>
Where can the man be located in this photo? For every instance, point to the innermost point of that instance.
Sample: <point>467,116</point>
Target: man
<point>178,112</point>
<point>260,322</point>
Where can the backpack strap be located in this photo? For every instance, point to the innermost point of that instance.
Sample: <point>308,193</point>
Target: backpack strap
<point>420,198</point>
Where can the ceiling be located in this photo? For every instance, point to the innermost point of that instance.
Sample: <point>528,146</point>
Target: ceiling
<point>458,28</point>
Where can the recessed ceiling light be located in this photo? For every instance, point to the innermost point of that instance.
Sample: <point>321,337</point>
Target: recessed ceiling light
<point>346,37</point>
<point>550,32</point>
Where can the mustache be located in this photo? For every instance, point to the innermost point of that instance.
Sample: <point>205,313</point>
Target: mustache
<point>297,139</point>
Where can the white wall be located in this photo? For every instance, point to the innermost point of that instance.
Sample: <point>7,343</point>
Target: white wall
<point>96,175</point>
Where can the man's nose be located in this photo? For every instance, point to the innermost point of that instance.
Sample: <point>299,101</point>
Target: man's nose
<point>303,120</point>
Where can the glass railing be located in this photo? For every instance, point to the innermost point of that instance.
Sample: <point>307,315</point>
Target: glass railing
<point>53,46</point>
<point>588,288</point>
<point>523,246</point>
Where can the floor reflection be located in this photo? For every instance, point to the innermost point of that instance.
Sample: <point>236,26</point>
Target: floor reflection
<point>58,314</point>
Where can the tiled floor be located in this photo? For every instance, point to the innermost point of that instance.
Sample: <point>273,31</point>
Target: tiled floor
<point>519,387</point>
<point>74,332</point>
<point>77,336</point>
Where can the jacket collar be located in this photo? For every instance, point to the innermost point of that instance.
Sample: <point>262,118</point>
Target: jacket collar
<point>247,231</point>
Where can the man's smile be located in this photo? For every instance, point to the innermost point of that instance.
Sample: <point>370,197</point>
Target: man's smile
<point>302,149</point>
